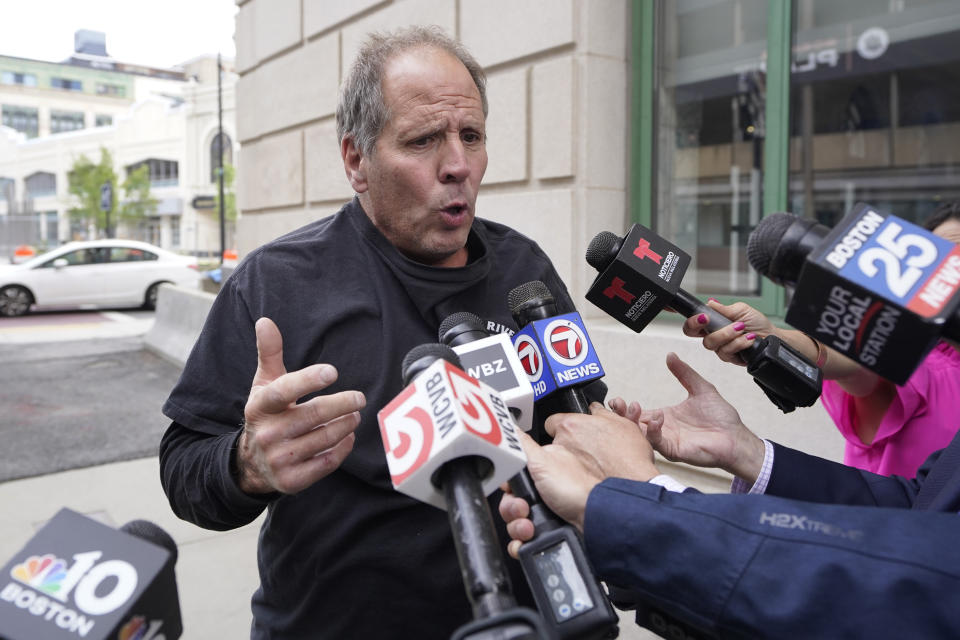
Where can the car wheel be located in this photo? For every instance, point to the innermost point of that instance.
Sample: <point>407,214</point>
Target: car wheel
<point>14,301</point>
<point>150,299</point>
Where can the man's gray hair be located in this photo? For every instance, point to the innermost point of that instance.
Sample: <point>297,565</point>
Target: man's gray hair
<point>361,112</point>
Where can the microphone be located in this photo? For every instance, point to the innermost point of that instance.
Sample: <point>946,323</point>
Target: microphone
<point>450,442</point>
<point>876,288</point>
<point>554,562</point>
<point>553,348</point>
<point>77,577</point>
<point>640,274</point>
<point>492,359</point>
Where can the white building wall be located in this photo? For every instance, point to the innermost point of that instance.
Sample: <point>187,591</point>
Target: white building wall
<point>558,171</point>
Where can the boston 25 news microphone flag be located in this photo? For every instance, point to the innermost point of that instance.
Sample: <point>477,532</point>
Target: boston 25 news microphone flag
<point>450,442</point>
<point>876,288</point>
<point>640,274</point>
<point>78,578</point>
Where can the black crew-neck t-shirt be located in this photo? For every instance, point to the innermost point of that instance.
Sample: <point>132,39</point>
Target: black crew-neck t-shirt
<point>349,557</point>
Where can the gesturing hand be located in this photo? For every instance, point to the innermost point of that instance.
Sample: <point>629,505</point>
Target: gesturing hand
<point>286,446</point>
<point>703,430</point>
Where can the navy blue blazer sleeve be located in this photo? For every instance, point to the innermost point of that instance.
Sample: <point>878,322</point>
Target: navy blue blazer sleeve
<point>800,476</point>
<point>760,566</point>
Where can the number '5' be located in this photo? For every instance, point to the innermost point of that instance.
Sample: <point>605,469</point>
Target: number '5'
<point>893,250</point>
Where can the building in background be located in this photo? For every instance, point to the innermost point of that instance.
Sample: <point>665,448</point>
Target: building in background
<point>166,119</point>
<point>693,117</point>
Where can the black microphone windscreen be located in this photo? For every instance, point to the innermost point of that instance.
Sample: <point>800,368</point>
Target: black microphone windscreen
<point>459,323</point>
<point>521,295</point>
<point>764,239</point>
<point>422,356</point>
<point>151,532</point>
<point>603,249</point>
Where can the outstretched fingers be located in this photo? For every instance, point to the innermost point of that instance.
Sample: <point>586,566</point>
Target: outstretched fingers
<point>693,382</point>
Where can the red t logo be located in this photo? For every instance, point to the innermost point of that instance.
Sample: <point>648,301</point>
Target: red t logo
<point>616,289</point>
<point>643,251</point>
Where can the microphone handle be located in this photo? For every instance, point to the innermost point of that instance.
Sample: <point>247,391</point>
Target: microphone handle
<point>951,328</point>
<point>574,400</point>
<point>475,538</point>
<point>689,305</point>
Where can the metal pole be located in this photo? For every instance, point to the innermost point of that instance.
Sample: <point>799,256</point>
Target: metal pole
<point>223,217</point>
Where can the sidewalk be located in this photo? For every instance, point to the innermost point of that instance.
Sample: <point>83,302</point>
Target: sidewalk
<point>216,571</point>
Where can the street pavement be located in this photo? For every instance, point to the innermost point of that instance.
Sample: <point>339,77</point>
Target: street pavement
<point>80,421</point>
<point>71,404</point>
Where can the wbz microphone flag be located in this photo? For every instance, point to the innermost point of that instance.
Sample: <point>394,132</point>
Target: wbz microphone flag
<point>78,578</point>
<point>556,353</point>
<point>494,361</point>
<point>441,415</point>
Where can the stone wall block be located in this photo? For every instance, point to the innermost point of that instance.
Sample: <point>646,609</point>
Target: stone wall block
<point>507,127</point>
<point>497,31</point>
<point>325,176</point>
<point>553,125</point>
<point>393,16</point>
<point>320,15</point>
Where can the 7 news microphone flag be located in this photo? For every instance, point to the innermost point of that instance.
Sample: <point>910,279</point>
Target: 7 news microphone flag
<point>553,347</point>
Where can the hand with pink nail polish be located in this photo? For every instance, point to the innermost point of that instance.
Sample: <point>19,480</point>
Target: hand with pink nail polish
<point>747,325</point>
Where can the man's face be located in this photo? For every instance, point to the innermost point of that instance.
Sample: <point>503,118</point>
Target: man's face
<point>420,185</point>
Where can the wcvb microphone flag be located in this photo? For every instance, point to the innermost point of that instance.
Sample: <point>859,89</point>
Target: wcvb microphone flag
<point>441,415</point>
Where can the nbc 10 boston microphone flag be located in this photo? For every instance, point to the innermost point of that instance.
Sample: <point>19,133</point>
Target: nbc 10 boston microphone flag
<point>79,578</point>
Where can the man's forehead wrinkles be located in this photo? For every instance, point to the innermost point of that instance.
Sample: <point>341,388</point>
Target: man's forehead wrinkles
<point>438,116</point>
<point>431,98</point>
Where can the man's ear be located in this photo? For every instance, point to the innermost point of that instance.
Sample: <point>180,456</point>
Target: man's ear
<point>353,164</point>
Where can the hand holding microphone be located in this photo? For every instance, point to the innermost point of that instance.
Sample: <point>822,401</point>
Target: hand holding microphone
<point>586,449</point>
<point>640,274</point>
<point>878,289</point>
<point>746,324</point>
<point>566,590</point>
<point>450,441</point>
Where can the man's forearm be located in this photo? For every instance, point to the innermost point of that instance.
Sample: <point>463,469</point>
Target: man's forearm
<point>195,471</point>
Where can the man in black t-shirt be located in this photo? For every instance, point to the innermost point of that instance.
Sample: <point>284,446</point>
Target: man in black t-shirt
<point>277,404</point>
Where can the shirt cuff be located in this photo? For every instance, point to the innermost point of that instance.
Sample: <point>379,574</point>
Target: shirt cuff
<point>739,485</point>
<point>668,483</point>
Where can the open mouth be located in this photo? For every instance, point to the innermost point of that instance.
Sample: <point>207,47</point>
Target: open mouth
<point>455,213</point>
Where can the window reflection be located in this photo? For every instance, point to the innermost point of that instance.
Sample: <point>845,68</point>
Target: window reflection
<point>878,120</point>
<point>711,100</point>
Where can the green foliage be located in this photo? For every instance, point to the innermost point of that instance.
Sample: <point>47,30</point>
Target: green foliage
<point>229,197</point>
<point>85,180</point>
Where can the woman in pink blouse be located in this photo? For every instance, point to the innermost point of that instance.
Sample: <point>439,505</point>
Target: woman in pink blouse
<point>889,429</point>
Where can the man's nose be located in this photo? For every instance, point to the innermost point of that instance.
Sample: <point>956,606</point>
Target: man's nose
<point>453,162</point>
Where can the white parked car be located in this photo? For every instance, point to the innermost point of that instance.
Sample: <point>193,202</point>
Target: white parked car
<point>102,273</point>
